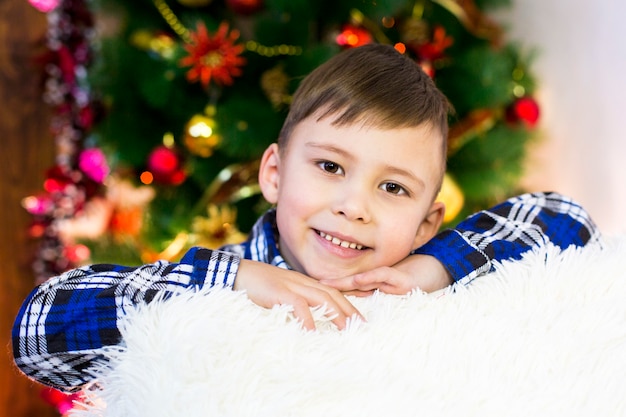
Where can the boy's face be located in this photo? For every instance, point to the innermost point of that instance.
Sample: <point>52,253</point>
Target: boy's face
<point>352,198</point>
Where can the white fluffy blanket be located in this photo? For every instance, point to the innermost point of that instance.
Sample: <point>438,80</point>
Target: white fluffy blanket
<point>545,336</point>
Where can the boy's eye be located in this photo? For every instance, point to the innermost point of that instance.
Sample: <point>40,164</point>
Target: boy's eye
<point>330,167</point>
<point>393,188</point>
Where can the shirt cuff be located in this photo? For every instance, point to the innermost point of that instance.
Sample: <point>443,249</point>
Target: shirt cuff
<point>212,267</point>
<point>461,259</point>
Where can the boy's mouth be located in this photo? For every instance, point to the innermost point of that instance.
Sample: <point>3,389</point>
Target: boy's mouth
<point>343,243</point>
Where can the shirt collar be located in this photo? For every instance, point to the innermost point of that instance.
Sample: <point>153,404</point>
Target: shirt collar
<point>262,243</point>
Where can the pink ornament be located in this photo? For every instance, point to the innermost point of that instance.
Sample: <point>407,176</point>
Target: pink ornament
<point>44,6</point>
<point>94,164</point>
<point>38,205</point>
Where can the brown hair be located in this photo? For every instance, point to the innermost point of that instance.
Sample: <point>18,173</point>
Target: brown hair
<point>374,84</point>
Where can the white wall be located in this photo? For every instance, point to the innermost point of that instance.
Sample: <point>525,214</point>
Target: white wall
<point>581,71</point>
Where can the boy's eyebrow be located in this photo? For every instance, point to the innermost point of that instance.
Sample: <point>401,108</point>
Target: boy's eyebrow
<point>407,174</point>
<point>390,168</point>
<point>330,148</point>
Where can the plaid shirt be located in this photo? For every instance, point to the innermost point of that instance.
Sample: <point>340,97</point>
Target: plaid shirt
<point>66,323</point>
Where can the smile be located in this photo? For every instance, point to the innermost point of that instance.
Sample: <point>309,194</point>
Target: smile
<point>343,243</point>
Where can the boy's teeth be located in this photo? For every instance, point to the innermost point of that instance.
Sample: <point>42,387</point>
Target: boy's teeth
<point>339,242</point>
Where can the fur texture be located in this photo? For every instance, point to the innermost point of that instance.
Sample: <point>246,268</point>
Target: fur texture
<point>544,336</point>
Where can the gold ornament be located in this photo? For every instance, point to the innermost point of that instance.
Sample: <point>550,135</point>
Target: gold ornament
<point>415,31</point>
<point>452,196</point>
<point>212,231</point>
<point>217,229</point>
<point>201,137</point>
<point>234,183</point>
<point>173,251</point>
<point>161,44</point>
<point>275,83</point>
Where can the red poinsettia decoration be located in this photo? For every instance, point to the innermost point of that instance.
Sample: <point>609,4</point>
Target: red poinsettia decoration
<point>213,58</point>
<point>436,48</point>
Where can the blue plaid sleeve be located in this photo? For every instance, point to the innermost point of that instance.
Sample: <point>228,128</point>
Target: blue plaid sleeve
<point>64,324</point>
<point>507,230</point>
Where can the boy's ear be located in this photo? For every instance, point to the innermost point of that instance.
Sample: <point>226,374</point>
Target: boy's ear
<point>269,174</point>
<point>430,225</point>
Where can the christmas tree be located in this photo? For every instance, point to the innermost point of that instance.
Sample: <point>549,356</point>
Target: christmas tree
<point>164,107</point>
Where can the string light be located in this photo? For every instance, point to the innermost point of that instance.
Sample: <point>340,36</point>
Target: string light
<point>168,139</point>
<point>268,51</point>
<point>172,20</point>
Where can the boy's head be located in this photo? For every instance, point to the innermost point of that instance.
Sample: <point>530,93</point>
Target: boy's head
<point>374,84</point>
<point>358,164</point>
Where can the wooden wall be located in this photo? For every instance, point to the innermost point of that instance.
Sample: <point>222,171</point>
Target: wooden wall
<point>26,150</point>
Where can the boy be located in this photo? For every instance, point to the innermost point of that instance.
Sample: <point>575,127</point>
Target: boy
<point>354,177</point>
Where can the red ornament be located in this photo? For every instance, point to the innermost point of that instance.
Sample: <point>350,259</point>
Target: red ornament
<point>67,64</point>
<point>245,7</point>
<point>58,180</point>
<point>61,401</point>
<point>524,110</point>
<point>352,36</point>
<point>37,229</point>
<point>85,117</point>
<point>77,253</point>
<point>213,58</point>
<point>165,164</point>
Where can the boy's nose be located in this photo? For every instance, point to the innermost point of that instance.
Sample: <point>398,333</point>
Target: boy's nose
<point>353,204</point>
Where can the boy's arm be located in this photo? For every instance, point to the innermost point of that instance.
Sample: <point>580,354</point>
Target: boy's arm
<point>503,232</point>
<point>65,323</point>
<point>507,230</point>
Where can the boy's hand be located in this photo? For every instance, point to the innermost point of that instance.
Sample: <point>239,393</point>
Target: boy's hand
<point>267,286</point>
<point>415,271</point>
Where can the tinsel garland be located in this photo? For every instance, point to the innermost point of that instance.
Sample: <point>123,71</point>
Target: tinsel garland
<point>78,172</point>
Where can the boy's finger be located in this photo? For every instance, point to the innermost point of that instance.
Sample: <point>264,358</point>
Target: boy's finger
<point>360,282</point>
<point>337,304</point>
<point>342,284</point>
<point>348,310</point>
<point>302,312</point>
<point>359,293</point>
<point>302,298</point>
